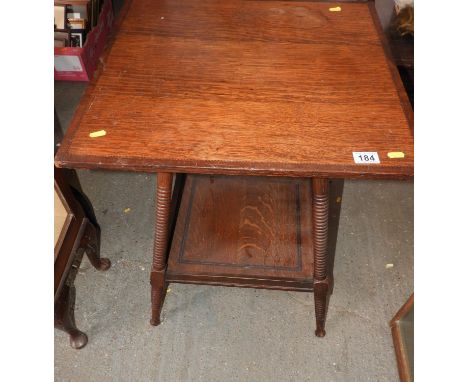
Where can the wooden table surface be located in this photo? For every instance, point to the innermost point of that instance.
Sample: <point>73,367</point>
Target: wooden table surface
<point>244,87</point>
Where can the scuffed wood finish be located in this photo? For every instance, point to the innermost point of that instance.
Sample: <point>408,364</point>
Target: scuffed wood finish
<point>244,87</point>
<point>161,235</point>
<point>244,231</point>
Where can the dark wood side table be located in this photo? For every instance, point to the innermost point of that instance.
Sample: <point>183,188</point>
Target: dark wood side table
<point>76,232</point>
<point>79,233</point>
<point>252,107</point>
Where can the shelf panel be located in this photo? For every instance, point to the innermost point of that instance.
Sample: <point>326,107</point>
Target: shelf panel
<point>244,231</point>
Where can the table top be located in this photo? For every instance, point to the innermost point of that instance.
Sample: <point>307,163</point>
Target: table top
<point>252,87</point>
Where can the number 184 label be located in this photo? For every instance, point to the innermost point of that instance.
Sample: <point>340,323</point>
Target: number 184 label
<point>366,157</point>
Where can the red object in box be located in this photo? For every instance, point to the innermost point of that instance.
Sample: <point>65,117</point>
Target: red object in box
<point>79,64</point>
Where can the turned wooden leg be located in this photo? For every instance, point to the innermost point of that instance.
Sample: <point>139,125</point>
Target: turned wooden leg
<point>161,234</point>
<point>64,317</point>
<point>90,241</point>
<point>320,227</point>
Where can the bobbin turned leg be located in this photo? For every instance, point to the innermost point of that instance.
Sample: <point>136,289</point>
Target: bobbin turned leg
<point>158,271</point>
<point>320,227</point>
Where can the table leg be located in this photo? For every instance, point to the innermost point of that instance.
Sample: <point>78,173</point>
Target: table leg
<point>91,243</point>
<point>161,233</point>
<point>64,317</point>
<point>320,226</point>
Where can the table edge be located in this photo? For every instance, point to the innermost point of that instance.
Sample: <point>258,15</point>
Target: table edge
<point>236,168</point>
<point>64,159</point>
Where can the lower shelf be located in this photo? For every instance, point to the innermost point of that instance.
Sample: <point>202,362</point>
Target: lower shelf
<point>244,231</point>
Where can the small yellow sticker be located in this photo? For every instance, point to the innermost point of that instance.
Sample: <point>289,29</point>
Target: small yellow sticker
<point>127,210</point>
<point>335,9</point>
<point>96,134</point>
<point>396,154</point>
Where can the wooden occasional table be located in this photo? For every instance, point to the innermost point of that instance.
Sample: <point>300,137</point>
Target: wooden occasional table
<point>254,106</point>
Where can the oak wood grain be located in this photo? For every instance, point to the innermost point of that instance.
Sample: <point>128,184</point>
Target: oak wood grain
<point>243,227</point>
<point>244,87</point>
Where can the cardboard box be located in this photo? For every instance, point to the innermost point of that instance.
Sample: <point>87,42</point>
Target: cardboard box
<point>79,64</point>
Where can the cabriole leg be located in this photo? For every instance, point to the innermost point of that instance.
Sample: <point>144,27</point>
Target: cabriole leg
<point>64,317</point>
<point>91,244</point>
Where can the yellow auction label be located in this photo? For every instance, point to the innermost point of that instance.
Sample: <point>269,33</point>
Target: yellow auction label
<point>396,154</point>
<point>96,134</point>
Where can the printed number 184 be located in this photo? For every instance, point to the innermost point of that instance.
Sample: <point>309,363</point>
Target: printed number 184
<point>366,157</point>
